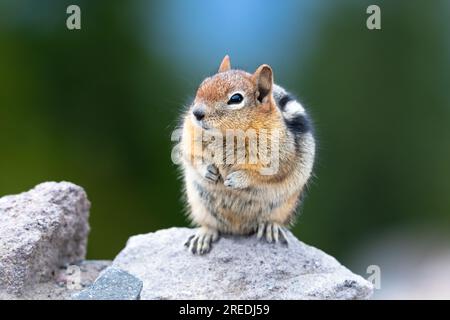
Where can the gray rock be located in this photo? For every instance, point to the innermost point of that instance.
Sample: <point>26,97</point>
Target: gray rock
<point>68,281</point>
<point>112,284</point>
<point>236,268</point>
<point>40,231</point>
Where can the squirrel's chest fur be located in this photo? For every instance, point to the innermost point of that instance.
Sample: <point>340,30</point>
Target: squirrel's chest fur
<point>238,211</point>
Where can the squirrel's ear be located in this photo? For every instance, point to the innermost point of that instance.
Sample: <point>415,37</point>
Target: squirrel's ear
<point>263,78</point>
<point>225,65</point>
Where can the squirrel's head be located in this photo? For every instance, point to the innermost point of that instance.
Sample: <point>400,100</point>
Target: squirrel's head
<point>234,99</point>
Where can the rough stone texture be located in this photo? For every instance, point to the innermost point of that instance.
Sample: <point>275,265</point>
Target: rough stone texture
<point>236,268</point>
<point>112,284</point>
<point>40,231</point>
<point>65,283</point>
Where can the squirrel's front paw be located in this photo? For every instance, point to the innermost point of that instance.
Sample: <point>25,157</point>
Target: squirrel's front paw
<point>200,243</point>
<point>210,173</point>
<point>237,180</point>
<point>272,232</point>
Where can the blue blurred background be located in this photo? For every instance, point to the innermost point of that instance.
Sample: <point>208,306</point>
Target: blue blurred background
<point>97,107</point>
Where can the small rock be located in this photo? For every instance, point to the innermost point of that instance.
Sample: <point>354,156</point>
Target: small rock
<point>64,285</point>
<point>236,268</point>
<point>40,231</point>
<point>112,284</point>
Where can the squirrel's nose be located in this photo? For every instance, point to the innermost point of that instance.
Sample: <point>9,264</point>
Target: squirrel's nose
<point>198,113</point>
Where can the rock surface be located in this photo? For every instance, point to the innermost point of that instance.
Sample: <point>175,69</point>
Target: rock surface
<point>112,284</point>
<point>236,268</point>
<point>40,231</point>
<point>67,281</point>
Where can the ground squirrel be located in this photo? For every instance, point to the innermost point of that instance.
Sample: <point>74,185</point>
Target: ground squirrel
<point>247,150</point>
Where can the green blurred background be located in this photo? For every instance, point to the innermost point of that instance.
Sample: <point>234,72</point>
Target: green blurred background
<point>97,106</point>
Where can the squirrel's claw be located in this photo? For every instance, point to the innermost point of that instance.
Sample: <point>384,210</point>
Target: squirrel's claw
<point>272,232</point>
<point>200,243</point>
<point>211,173</point>
<point>237,180</point>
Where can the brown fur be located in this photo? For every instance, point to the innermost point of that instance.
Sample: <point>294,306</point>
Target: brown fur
<point>249,200</point>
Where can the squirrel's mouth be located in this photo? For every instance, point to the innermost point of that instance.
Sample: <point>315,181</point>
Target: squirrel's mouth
<point>201,124</point>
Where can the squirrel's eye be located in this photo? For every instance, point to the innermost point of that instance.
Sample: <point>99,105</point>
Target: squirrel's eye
<point>235,99</point>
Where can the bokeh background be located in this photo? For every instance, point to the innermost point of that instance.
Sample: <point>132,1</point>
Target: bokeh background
<point>97,107</point>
